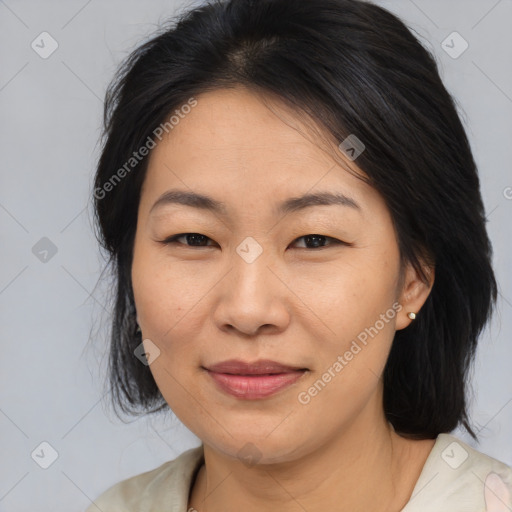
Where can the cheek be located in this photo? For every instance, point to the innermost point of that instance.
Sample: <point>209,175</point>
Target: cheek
<point>357,302</point>
<point>165,310</point>
<point>351,293</point>
<point>163,292</point>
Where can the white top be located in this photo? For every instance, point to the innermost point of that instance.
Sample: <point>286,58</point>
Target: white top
<point>454,478</point>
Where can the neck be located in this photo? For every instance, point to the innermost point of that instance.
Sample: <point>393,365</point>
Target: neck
<point>366,466</point>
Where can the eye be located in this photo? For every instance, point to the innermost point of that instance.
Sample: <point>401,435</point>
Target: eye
<point>317,241</point>
<point>196,239</point>
<point>199,240</point>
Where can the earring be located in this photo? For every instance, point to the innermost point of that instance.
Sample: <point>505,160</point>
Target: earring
<point>411,315</point>
<point>138,330</point>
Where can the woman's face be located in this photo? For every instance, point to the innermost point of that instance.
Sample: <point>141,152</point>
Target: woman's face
<point>253,285</point>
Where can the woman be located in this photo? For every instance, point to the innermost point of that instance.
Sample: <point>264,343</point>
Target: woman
<point>292,209</point>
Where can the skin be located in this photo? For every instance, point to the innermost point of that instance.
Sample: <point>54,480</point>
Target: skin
<point>295,304</point>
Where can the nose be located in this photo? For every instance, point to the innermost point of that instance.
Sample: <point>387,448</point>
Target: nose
<point>252,299</point>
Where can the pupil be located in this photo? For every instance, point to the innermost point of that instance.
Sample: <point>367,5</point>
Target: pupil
<point>314,237</point>
<point>196,236</point>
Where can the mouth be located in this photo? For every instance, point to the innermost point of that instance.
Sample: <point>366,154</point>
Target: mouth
<point>252,381</point>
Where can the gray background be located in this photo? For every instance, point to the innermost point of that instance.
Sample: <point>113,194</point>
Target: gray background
<point>51,378</point>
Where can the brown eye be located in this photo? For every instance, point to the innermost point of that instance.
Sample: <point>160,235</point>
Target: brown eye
<point>312,241</point>
<point>191,240</point>
<point>317,241</point>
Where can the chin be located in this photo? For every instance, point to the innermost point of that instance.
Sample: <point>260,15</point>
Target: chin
<point>254,448</point>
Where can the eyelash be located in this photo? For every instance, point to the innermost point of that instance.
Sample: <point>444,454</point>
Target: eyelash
<point>173,240</point>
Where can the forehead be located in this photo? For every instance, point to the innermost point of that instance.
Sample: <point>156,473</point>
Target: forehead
<point>239,126</point>
<point>236,145</point>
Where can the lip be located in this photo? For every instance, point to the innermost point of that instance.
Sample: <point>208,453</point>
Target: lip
<point>252,381</point>
<point>260,367</point>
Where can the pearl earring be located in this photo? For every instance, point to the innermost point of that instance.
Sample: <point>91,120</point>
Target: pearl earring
<point>411,315</point>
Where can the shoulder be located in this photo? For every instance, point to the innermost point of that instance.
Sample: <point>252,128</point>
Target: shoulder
<point>458,478</point>
<point>164,486</point>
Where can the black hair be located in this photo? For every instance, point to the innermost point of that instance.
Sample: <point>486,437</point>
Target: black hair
<point>354,68</point>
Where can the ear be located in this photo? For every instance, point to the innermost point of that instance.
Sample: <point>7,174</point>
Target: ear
<point>413,294</point>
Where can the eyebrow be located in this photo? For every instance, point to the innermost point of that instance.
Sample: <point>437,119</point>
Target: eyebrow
<point>292,204</point>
